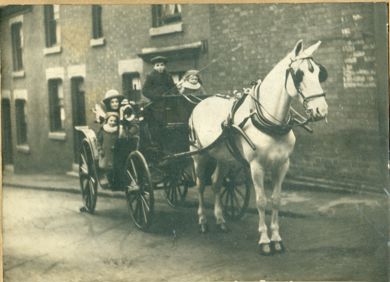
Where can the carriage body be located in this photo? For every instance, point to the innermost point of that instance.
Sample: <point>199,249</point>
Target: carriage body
<point>140,167</point>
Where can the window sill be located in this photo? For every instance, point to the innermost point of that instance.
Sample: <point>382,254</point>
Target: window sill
<point>58,135</point>
<point>166,29</point>
<point>18,74</point>
<point>23,148</point>
<point>94,42</point>
<point>52,50</point>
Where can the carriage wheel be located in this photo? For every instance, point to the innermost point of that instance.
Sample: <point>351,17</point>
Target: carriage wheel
<point>235,193</point>
<point>176,188</point>
<point>88,179</point>
<point>139,190</point>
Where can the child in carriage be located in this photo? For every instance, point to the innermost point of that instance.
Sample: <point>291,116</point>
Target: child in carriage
<point>116,114</point>
<point>110,103</point>
<point>107,137</point>
<point>191,84</point>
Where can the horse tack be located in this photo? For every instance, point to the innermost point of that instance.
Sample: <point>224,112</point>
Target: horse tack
<point>297,78</point>
<point>270,118</point>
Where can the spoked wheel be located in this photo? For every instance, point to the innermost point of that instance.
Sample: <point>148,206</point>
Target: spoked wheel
<point>88,179</point>
<point>139,190</point>
<point>235,193</point>
<point>176,187</point>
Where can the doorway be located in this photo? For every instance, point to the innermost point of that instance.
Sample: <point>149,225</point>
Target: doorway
<point>6,133</point>
<point>78,113</point>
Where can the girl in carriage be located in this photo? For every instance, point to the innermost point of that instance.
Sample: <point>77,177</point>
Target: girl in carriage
<point>107,113</point>
<point>191,84</point>
<point>110,103</point>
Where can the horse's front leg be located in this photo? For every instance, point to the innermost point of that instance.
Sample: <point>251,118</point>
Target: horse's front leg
<point>278,175</point>
<point>257,173</point>
<point>217,179</point>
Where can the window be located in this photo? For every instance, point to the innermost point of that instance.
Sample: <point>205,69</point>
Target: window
<point>51,15</point>
<point>131,86</point>
<point>17,44</point>
<point>21,124</point>
<point>166,14</point>
<point>97,30</point>
<point>56,105</point>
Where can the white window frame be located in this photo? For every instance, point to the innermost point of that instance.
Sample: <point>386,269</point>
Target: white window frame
<point>15,20</point>
<point>57,47</point>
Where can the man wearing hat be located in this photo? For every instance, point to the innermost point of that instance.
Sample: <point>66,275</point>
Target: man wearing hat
<point>158,83</point>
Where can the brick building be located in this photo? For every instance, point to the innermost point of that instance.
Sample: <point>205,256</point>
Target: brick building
<point>58,61</point>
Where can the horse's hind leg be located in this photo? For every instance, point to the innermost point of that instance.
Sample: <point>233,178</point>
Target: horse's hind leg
<point>278,175</point>
<point>217,179</point>
<point>200,172</point>
<point>257,173</point>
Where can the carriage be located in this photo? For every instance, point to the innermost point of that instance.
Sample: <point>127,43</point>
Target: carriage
<point>144,163</point>
<point>254,130</point>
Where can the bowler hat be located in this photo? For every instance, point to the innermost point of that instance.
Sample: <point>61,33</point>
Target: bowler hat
<point>159,59</point>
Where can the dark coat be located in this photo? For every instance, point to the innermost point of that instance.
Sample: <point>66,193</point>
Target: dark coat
<point>159,84</point>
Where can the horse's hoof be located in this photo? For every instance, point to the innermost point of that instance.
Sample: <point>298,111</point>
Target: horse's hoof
<point>265,249</point>
<point>223,227</point>
<point>83,209</point>
<point>203,228</point>
<point>277,247</point>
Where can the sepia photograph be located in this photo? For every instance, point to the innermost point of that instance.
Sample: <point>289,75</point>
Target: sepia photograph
<point>195,142</point>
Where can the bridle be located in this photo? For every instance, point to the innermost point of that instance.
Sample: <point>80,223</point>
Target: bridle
<point>278,126</point>
<point>298,79</point>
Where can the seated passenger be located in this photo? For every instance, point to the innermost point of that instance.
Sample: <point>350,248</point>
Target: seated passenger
<point>110,103</point>
<point>107,137</point>
<point>191,84</point>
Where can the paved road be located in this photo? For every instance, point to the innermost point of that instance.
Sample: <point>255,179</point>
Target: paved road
<point>46,238</point>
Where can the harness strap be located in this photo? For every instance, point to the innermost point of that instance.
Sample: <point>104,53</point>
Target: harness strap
<point>231,145</point>
<point>262,123</point>
<point>200,150</point>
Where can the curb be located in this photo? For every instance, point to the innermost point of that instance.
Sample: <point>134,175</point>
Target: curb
<point>120,195</point>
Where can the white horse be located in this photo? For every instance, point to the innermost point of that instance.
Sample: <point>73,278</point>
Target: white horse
<point>297,75</point>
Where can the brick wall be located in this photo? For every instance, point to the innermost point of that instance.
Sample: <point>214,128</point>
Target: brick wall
<point>126,32</point>
<point>348,148</point>
<point>243,43</point>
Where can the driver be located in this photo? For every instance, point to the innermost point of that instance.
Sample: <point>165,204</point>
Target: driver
<point>157,84</point>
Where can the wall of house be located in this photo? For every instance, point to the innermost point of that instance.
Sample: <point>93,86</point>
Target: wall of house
<point>241,44</point>
<point>346,149</point>
<point>125,31</point>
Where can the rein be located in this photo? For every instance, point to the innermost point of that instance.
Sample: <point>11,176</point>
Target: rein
<point>290,71</point>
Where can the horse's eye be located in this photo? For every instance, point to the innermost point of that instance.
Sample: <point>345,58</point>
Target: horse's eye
<point>298,77</point>
<point>323,74</point>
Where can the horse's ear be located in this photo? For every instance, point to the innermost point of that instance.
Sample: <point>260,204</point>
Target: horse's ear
<point>298,48</point>
<point>310,50</point>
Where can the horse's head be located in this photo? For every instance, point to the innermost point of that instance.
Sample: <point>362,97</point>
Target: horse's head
<point>304,77</point>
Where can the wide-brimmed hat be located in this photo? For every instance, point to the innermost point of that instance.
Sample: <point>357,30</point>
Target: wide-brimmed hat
<point>159,59</point>
<point>112,93</point>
